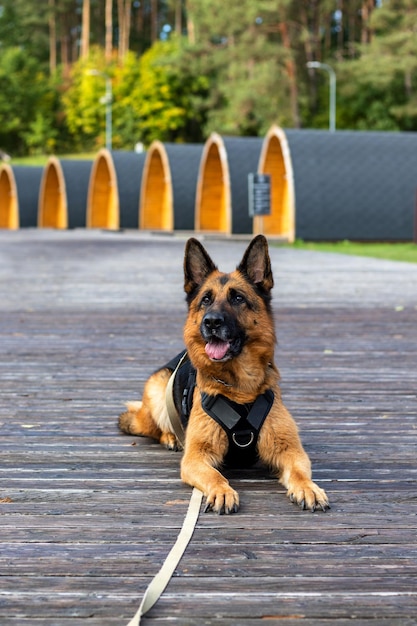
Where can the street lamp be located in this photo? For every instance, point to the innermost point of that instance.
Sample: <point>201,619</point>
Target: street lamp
<point>107,100</point>
<point>332,90</point>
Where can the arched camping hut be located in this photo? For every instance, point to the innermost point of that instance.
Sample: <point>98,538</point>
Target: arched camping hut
<point>213,208</point>
<point>113,190</point>
<point>354,185</point>
<point>156,198</point>
<point>103,196</point>
<point>19,192</point>
<point>275,160</point>
<point>9,209</point>
<point>169,186</point>
<point>52,208</point>
<point>222,202</point>
<point>63,193</point>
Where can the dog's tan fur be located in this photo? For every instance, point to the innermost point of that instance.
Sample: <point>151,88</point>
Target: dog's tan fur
<point>241,377</point>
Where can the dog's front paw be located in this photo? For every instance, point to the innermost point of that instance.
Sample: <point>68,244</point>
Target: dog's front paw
<point>222,500</point>
<point>308,495</point>
<point>170,442</point>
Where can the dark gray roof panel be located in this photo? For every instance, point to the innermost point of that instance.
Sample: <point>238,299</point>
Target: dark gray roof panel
<point>28,181</point>
<point>243,157</point>
<point>129,169</point>
<point>77,177</point>
<point>354,185</point>
<point>184,163</point>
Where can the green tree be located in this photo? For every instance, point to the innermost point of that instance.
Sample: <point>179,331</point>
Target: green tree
<point>24,24</point>
<point>28,103</point>
<point>160,96</point>
<point>126,90</point>
<point>241,67</point>
<point>250,86</point>
<point>85,114</point>
<point>379,90</point>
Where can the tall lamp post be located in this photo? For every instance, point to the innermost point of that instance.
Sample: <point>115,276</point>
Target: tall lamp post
<point>107,99</point>
<point>332,90</point>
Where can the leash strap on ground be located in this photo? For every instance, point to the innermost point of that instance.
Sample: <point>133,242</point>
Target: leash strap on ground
<point>162,578</point>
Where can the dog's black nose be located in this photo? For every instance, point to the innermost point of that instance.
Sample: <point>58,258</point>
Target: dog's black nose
<point>213,321</point>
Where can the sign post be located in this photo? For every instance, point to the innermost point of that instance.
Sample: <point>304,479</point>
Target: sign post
<point>259,190</point>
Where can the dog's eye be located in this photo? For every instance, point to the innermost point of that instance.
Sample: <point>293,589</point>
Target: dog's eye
<point>206,300</point>
<point>237,298</point>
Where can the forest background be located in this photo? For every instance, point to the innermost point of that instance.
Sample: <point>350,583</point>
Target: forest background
<point>180,69</point>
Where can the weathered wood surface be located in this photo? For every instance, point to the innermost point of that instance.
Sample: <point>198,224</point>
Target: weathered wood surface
<point>88,514</point>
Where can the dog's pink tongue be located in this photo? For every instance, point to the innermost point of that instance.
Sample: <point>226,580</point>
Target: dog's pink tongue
<point>217,350</point>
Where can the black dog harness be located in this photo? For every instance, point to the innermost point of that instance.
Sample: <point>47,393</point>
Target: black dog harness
<point>241,422</point>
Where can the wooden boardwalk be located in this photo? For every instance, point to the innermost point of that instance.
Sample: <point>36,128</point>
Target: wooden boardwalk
<point>87,515</point>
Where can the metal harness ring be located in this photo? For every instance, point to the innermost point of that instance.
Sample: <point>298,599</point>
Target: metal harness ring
<point>243,445</point>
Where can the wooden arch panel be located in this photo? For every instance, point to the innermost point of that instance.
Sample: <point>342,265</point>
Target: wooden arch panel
<point>213,197</point>
<point>52,208</point>
<point>103,196</point>
<point>9,209</point>
<point>156,196</point>
<point>275,160</point>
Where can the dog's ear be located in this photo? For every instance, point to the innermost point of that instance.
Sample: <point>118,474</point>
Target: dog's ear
<point>197,266</point>
<point>256,264</point>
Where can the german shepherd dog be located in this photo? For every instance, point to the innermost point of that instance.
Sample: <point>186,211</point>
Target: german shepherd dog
<point>230,339</point>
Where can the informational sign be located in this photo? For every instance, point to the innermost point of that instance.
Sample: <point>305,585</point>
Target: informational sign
<point>259,189</point>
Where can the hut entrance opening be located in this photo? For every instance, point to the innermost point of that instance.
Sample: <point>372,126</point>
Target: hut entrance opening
<point>9,214</point>
<point>213,204</point>
<point>103,201</point>
<point>52,199</point>
<point>280,223</point>
<point>156,210</point>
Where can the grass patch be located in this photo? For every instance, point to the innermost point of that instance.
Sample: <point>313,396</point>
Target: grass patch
<point>41,159</point>
<point>390,251</point>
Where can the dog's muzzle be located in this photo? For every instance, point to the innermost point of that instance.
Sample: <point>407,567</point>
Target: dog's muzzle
<point>222,342</point>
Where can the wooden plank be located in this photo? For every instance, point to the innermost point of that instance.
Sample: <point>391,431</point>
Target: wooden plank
<point>187,620</point>
<point>229,605</point>
<point>141,558</point>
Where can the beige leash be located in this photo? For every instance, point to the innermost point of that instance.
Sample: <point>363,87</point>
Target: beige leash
<point>169,400</point>
<point>162,578</point>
